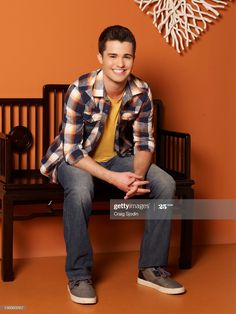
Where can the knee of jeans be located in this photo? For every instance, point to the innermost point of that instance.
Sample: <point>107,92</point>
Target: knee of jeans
<point>77,203</point>
<point>80,192</point>
<point>171,184</point>
<point>164,187</point>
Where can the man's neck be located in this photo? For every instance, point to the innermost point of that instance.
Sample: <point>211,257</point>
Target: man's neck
<point>114,90</point>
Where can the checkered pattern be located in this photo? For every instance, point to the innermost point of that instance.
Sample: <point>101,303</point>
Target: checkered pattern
<point>86,109</point>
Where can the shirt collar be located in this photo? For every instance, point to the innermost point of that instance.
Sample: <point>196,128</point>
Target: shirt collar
<point>98,86</point>
<point>131,89</point>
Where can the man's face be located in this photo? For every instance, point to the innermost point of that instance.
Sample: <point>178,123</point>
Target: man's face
<point>117,61</point>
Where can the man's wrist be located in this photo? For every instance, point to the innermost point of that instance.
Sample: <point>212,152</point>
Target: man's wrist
<point>140,174</point>
<point>108,176</point>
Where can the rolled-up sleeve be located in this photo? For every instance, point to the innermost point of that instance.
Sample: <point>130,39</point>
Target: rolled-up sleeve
<point>143,126</point>
<point>72,128</point>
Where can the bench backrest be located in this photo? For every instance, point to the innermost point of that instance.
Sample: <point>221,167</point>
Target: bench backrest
<point>27,113</point>
<point>53,96</point>
<point>42,118</point>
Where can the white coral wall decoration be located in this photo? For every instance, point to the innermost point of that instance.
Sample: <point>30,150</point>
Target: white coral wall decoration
<point>181,21</point>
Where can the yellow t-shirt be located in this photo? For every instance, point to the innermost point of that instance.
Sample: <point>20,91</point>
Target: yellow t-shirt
<point>105,148</point>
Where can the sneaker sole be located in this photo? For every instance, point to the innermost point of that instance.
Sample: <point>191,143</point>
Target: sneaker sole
<point>81,300</point>
<point>159,288</point>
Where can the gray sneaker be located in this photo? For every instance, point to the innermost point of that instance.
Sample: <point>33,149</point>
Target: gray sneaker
<point>82,291</point>
<point>159,279</point>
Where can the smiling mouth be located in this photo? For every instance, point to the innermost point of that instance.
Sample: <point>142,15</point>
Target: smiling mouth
<point>119,71</point>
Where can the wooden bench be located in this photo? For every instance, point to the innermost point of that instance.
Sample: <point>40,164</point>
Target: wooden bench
<point>28,126</point>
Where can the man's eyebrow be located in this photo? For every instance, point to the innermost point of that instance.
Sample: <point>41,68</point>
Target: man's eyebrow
<point>115,54</point>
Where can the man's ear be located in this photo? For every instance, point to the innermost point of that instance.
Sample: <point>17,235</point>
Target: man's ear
<point>99,56</point>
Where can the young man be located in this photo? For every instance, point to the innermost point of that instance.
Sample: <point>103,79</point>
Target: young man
<point>107,133</point>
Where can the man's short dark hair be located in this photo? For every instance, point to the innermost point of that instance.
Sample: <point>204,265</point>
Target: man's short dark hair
<point>115,32</point>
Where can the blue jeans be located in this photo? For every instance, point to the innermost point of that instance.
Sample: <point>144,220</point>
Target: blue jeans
<point>78,195</point>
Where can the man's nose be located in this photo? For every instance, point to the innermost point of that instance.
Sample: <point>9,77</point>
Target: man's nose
<point>120,62</point>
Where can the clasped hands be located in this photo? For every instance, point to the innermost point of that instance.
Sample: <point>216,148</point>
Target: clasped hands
<point>130,183</point>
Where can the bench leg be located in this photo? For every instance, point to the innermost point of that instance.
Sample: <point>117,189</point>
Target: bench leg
<point>7,239</point>
<point>185,259</point>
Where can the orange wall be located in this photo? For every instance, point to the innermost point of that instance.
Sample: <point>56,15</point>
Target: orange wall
<point>55,41</point>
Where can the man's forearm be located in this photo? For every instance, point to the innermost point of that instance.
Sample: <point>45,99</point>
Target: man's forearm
<point>92,167</point>
<point>122,180</point>
<point>142,162</point>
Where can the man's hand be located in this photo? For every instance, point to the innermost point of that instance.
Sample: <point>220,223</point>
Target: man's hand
<point>124,180</point>
<point>136,189</point>
<point>142,161</point>
<point>129,182</point>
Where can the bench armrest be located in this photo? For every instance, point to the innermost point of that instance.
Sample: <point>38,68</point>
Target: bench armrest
<point>5,158</point>
<point>173,153</point>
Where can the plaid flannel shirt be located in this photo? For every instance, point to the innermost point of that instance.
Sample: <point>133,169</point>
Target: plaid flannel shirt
<point>86,109</point>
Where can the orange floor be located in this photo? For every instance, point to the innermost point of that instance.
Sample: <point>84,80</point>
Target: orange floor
<point>40,285</point>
